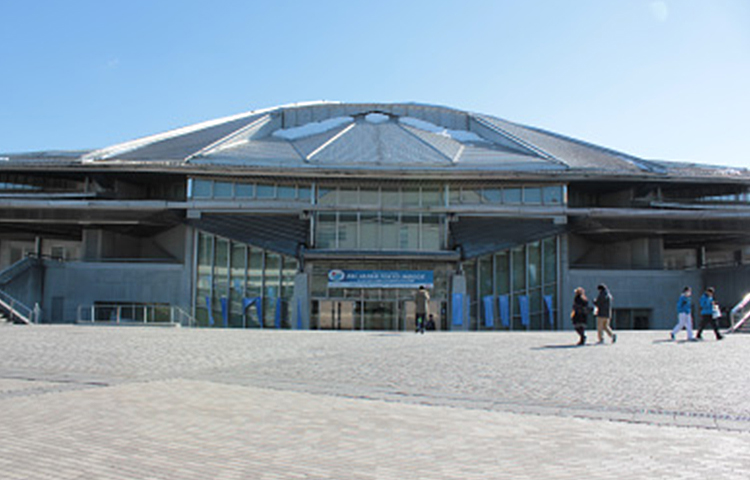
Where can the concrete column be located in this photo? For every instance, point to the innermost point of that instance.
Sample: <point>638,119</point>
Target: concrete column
<point>565,285</point>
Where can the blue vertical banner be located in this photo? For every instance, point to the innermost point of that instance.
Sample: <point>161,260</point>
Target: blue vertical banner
<point>523,305</point>
<point>258,303</point>
<point>503,303</point>
<point>277,315</point>
<point>550,310</point>
<point>299,314</point>
<point>457,309</point>
<point>489,311</point>
<point>210,312</point>
<point>224,311</point>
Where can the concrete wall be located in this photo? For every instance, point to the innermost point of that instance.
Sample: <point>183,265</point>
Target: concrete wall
<point>68,285</point>
<point>657,290</point>
<point>731,283</point>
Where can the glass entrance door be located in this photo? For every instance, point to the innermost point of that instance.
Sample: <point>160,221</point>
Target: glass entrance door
<point>336,315</point>
<point>409,314</point>
<point>379,315</point>
<point>394,314</point>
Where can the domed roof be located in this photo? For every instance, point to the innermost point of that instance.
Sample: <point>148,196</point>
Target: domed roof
<point>374,137</point>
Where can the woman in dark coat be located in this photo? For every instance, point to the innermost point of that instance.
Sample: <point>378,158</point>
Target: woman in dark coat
<point>579,315</point>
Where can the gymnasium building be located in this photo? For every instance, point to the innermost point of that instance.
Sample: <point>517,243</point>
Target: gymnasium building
<point>330,215</point>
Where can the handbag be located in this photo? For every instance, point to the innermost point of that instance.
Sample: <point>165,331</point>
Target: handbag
<point>716,311</point>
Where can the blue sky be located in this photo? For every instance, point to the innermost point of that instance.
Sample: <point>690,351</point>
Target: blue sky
<point>658,79</point>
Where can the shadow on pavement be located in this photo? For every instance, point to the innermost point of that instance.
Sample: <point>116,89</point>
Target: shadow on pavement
<point>558,347</point>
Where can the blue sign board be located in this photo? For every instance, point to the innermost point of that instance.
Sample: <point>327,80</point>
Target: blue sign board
<point>380,279</point>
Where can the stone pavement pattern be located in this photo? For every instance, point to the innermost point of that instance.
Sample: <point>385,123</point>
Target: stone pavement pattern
<point>149,403</point>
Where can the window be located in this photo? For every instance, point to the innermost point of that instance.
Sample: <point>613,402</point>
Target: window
<point>512,195</point>
<point>552,195</point>
<point>244,190</point>
<point>492,195</point>
<point>286,192</point>
<point>265,191</point>
<point>223,190</point>
<point>202,188</point>
<point>532,195</point>
<point>379,231</point>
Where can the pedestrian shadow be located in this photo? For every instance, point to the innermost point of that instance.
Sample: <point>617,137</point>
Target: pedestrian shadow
<point>678,342</point>
<point>558,347</point>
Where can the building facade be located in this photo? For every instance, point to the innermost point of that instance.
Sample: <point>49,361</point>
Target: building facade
<point>330,216</point>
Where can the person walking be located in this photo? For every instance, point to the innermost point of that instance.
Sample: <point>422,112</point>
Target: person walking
<point>422,308</point>
<point>579,315</point>
<point>684,316</point>
<point>603,303</point>
<point>708,308</point>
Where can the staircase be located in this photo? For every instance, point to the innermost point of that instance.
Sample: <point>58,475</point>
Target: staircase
<point>740,316</point>
<point>11,309</point>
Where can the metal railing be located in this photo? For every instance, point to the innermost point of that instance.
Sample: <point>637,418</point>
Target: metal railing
<point>134,314</point>
<point>17,268</point>
<point>740,314</point>
<point>18,311</point>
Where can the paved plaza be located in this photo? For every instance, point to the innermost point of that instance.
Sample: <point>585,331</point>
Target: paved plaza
<point>83,402</point>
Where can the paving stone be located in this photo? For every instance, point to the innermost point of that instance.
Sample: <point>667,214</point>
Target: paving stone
<point>140,403</point>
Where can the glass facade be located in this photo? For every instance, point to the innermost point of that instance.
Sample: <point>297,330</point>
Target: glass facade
<point>396,218</point>
<point>379,231</point>
<point>509,195</point>
<point>383,197</point>
<point>242,286</point>
<point>519,284</point>
<point>526,277</point>
<point>209,189</point>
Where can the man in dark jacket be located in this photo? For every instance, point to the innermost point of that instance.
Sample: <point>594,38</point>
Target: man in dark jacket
<point>603,303</point>
<point>709,308</point>
<point>422,301</point>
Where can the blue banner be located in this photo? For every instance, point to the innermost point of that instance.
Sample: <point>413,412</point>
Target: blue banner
<point>489,311</point>
<point>299,314</point>
<point>277,318</point>
<point>380,279</point>
<point>457,309</point>
<point>503,303</point>
<point>550,310</point>
<point>210,312</point>
<point>523,305</point>
<point>257,301</point>
<point>224,311</point>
